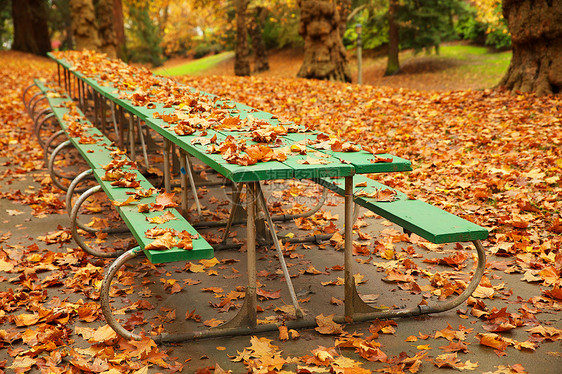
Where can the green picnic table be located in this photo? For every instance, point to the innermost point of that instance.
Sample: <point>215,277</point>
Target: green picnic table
<point>314,162</point>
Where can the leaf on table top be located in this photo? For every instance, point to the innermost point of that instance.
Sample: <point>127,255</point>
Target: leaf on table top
<point>378,159</point>
<point>129,201</point>
<point>313,161</point>
<point>143,208</point>
<point>344,146</point>
<point>379,194</point>
<point>163,200</point>
<point>162,242</point>
<point>163,218</point>
<point>373,149</point>
<point>142,193</point>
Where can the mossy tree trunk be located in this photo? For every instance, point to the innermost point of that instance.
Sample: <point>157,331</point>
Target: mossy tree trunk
<point>31,33</point>
<point>536,35</point>
<point>242,56</point>
<point>324,54</point>
<point>84,26</point>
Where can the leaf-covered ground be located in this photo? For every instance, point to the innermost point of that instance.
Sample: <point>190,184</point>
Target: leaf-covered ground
<point>487,156</point>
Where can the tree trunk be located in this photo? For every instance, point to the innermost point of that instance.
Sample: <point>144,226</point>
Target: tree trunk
<point>258,45</point>
<point>106,27</point>
<point>242,57</point>
<point>31,33</point>
<point>392,61</point>
<point>324,54</point>
<point>84,28</point>
<point>536,37</point>
<point>344,9</point>
<point>119,28</point>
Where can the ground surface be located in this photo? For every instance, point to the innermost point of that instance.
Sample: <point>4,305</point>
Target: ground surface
<point>487,156</point>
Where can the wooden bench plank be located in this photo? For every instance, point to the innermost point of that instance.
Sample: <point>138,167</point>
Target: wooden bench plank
<point>138,223</point>
<point>425,220</point>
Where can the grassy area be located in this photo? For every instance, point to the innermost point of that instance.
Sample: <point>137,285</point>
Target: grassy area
<point>195,66</point>
<point>458,66</point>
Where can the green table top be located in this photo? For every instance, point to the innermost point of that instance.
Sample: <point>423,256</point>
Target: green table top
<point>316,163</point>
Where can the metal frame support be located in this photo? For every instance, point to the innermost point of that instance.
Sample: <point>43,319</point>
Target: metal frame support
<point>189,169</point>
<point>132,138</point>
<point>51,163</point>
<point>298,311</point>
<point>74,226</point>
<point>166,154</point>
<point>143,144</point>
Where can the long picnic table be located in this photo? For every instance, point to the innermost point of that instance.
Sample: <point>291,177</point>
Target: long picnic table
<point>304,155</point>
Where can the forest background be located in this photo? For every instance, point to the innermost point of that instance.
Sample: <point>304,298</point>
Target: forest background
<point>157,30</point>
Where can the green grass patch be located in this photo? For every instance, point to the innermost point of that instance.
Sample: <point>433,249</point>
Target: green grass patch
<point>474,63</point>
<point>195,66</point>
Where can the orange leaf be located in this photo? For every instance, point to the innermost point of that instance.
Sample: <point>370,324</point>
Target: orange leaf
<point>327,326</point>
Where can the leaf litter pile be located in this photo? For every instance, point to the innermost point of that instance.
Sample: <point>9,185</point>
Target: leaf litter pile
<point>486,156</point>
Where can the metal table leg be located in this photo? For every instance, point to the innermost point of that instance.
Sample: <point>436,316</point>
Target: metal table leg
<point>298,311</point>
<point>166,152</point>
<point>189,170</point>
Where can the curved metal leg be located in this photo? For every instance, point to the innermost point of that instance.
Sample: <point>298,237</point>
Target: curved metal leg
<point>31,100</point>
<point>359,311</point>
<point>104,293</point>
<point>70,191</point>
<point>51,163</point>
<point>74,227</point>
<point>48,145</point>
<point>39,115</point>
<point>25,103</point>
<point>39,127</point>
<point>34,105</point>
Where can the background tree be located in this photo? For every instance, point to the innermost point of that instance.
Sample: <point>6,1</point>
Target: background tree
<point>84,26</point>
<point>106,27</point>
<point>60,24</point>
<point>325,56</point>
<point>241,58</point>
<point>392,60</point>
<point>536,34</point>
<point>145,44</point>
<point>119,28</point>
<point>31,32</point>
<point>255,28</point>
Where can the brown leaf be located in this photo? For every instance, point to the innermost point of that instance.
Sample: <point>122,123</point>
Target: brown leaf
<point>327,326</point>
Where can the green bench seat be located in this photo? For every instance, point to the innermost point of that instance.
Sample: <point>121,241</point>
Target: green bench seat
<point>95,154</point>
<point>425,220</point>
<point>99,154</point>
<point>138,224</point>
